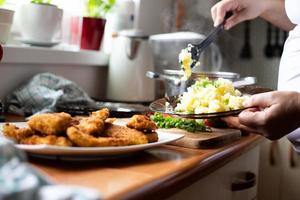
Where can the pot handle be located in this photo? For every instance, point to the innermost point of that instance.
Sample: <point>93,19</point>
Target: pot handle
<point>132,47</point>
<point>249,80</point>
<point>153,75</point>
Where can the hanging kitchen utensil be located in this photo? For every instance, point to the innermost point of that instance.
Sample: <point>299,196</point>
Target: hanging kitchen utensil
<point>269,48</point>
<point>179,14</point>
<point>246,52</point>
<point>277,47</point>
<point>284,37</point>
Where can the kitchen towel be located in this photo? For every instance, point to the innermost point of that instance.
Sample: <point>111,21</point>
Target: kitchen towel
<point>19,181</point>
<point>44,93</point>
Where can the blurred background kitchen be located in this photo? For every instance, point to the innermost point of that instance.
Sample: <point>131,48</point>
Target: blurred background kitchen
<point>31,46</point>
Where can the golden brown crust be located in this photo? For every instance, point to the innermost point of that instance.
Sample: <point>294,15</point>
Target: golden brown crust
<point>84,140</point>
<point>102,114</point>
<point>49,140</point>
<point>91,125</point>
<point>110,120</point>
<point>152,137</point>
<point>141,123</point>
<point>16,133</point>
<point>50,123</point>
<point>61,129</point>
<point>116,131</point>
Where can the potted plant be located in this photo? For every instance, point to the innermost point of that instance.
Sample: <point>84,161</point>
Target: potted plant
<point>6,19</point>
<point>39,21</point>
<point>93,23</point>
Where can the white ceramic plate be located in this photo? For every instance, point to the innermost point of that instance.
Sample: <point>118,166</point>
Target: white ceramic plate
<point>164,138</point>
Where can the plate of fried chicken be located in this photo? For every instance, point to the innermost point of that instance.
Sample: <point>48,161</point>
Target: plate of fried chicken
<point>61,134</point>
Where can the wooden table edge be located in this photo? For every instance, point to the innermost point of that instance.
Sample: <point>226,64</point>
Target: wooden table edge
<point>166,186</point>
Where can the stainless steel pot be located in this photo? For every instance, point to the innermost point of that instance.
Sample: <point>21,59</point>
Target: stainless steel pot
<point>175,85</point>
<point>166,48</point>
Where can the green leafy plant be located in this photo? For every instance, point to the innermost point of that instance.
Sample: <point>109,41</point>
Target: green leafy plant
<point>41,1</point>
<point>2,2</point>
<point>98,8</point>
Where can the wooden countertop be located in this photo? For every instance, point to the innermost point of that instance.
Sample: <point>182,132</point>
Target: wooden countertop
<point>158,172</point>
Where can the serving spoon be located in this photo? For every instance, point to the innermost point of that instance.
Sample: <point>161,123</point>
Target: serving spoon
<point>197,49</point>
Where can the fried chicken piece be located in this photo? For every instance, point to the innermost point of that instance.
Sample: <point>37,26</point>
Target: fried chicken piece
<point>84,140</point>
<point>152,137</point>
<point>50,123</point>
<point>134,136</point>
<point>75,120</point>
<point>102,114</point>
<point>110,120</point>
<point>49,140</point>
<point>91,125</point>
<point>141,123</point>
<point>16,133</point>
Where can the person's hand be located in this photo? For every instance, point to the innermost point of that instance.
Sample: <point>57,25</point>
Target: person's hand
<point>274,114</point>
<point>242,10</point>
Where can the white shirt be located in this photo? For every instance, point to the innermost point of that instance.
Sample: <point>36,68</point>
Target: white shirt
<point>289,69</point>
<point>292,8</point>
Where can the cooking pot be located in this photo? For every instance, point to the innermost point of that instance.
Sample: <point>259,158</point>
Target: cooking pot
<point>166,48</point>
<point>174,84</point>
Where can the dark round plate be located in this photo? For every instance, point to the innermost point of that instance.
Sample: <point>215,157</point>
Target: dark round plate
<point>159,105</point>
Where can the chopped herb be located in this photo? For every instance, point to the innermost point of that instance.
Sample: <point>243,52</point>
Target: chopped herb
<point>41,1</point>
<point>191,125</point>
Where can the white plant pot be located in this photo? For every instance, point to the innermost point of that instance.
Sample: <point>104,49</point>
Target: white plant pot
<point>6,16</point>
<point>39,22</point>
<point>6,19</point>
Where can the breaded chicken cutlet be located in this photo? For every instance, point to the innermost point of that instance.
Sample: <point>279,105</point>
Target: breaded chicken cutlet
<point>141,123</point>
<point>82,139</point>
<point>50,123</point>
<point>116,131</point>
<point>91,125</point>
<point>49,140</point>
<point>96,130</point>
<point>16,133</point>
<point>144,124</point>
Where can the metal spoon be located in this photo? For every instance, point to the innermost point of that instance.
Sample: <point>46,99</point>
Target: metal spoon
<point>196,49</point>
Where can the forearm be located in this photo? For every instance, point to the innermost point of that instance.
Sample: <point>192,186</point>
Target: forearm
<point>275,13</point>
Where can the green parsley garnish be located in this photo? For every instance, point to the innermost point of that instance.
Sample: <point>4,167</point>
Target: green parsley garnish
<point>191,125</point>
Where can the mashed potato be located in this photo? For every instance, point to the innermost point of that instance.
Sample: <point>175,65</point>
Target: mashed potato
<point>209,96</point>
<point>186,60</point>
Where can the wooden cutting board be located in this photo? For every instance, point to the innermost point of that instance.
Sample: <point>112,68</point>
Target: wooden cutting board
<point>204,140</point>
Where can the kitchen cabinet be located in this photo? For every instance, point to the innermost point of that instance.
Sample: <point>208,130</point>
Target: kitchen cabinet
<point>279,171</point>
<point>218,185</point>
